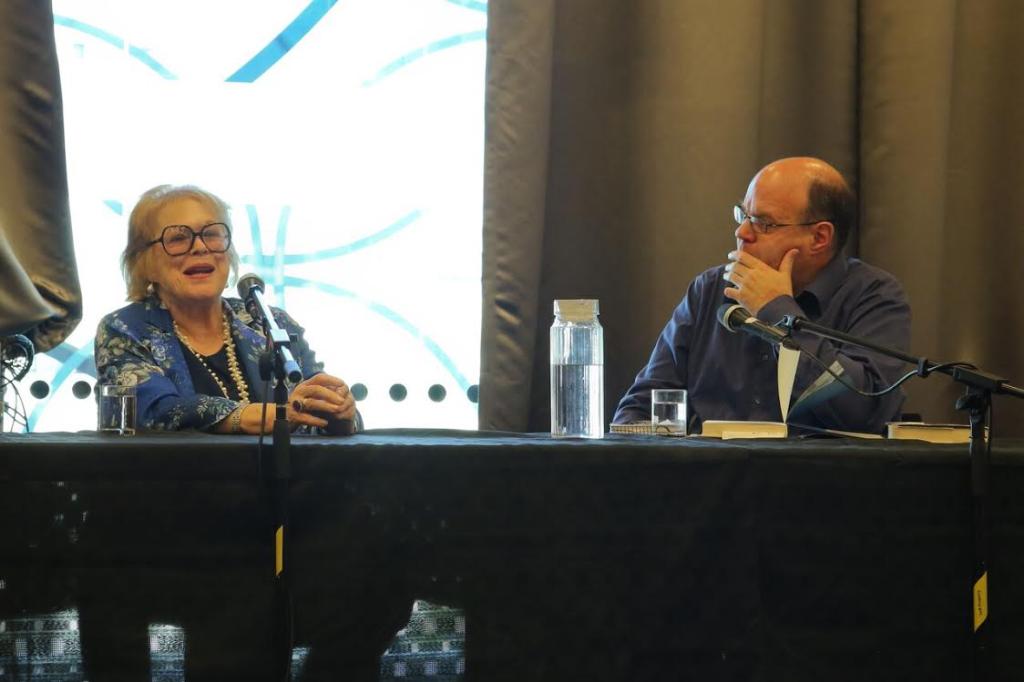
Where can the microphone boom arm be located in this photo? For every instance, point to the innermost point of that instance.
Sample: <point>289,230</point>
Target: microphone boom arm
<point>967,376</point>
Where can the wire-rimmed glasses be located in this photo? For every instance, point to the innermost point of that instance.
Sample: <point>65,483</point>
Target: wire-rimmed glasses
<point>760,224</point>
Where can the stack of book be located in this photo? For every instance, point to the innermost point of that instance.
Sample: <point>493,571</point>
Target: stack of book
<point>933,433</point>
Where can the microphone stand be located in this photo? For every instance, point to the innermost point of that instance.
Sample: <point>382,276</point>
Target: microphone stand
<point>979,386</point>
<point>277,361</point>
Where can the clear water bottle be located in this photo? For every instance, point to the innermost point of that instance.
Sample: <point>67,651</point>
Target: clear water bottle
<point>577,370</point>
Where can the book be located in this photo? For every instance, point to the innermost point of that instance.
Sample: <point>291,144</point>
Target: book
<point>932,433</point>
<point>726,429</point>
<point>646,428</point>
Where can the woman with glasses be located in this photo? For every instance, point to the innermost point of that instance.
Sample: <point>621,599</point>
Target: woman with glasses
<point>192,354</point>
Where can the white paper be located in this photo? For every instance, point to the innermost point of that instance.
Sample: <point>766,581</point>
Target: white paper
<point>788,360</point>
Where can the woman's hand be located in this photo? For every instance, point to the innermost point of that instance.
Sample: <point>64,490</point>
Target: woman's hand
<point>318,397</point>
<point>309,403</point>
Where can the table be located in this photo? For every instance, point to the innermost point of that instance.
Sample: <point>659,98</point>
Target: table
<point>626,558</point>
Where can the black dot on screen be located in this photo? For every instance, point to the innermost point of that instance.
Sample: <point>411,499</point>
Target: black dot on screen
<point>398,392</point>
<point>39,389</point>
<point>81,389</point>
<point>437,393</point>
<point>473,393</point>
<point>359,391</point>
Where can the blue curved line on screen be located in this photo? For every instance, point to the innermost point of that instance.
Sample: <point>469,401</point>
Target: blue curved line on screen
<point>261,261</point>
<point>254,231</point>
<point>114,205</point>
<point>425,51</point>
<point>279,255</point>
<point>111,39</point>
<point>283,42</point>
<point>66,351</point>
<point>470,4</point>
<point>70,365</point>
<point>391,316</point>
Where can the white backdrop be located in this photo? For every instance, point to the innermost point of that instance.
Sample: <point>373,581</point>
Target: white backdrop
<point>346,135</point>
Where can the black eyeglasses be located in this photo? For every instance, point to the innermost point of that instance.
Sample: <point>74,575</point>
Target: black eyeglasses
<point>760,224</point>
<point>177,240</point>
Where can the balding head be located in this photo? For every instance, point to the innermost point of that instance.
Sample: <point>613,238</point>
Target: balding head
<point>829,197</point>
<point>796,204</point>
<point>807,166</point>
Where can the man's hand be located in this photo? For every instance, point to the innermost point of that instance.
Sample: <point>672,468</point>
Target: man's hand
<point>755,283</point>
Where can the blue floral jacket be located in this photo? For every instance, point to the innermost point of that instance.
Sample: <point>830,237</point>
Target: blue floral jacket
<point>136,346</point>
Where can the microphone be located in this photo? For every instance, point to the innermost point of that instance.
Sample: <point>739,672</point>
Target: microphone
<point>247,285</point>
<point>16,354</point>
<point>250,290</point>
<point>735,317</point>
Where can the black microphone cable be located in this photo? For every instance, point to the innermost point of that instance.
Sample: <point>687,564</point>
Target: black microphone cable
<point>903,379</point>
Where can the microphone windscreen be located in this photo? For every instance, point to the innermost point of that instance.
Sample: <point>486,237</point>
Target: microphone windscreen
<point>17,346</point>
<point>730,314</point>
<point>248,282</point>
<point>16,353</point>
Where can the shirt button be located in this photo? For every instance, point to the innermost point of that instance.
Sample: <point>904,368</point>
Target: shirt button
<point>757,401</point>
<point>764,357</point>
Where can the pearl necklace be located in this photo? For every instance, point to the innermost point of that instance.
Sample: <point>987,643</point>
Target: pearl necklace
<point>233,366</point>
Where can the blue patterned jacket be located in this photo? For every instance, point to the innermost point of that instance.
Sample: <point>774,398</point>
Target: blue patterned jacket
<point>136,346</point>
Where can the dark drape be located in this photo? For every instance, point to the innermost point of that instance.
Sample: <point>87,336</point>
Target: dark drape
<point>40,295</point>
<point>619,134</point>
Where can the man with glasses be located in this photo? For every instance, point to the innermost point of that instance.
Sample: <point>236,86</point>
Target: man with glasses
<point>791,229</point>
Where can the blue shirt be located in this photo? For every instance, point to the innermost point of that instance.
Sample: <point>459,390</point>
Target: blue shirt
<point>735,375</point>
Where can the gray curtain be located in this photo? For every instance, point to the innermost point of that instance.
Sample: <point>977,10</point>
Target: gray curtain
<point>620,133</point>
<point>39,294</point>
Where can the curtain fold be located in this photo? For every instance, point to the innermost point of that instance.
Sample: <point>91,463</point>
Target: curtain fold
<point>943,147</point>
<point>40,294</point>
<point>519,40</point>
<point>657,114</point>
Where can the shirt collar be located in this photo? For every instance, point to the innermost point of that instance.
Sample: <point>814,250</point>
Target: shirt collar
<point>820,291</point>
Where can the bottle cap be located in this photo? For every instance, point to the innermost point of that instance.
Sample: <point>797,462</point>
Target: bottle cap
<point>576,309</point>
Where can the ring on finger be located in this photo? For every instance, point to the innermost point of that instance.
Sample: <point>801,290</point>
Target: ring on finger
<point>299,405</point>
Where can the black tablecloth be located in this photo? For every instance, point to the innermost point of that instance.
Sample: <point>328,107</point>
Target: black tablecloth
<point>621,559</point>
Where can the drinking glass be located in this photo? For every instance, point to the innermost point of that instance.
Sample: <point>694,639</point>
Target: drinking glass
<point>116,410</point>
<point>668,409</point>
